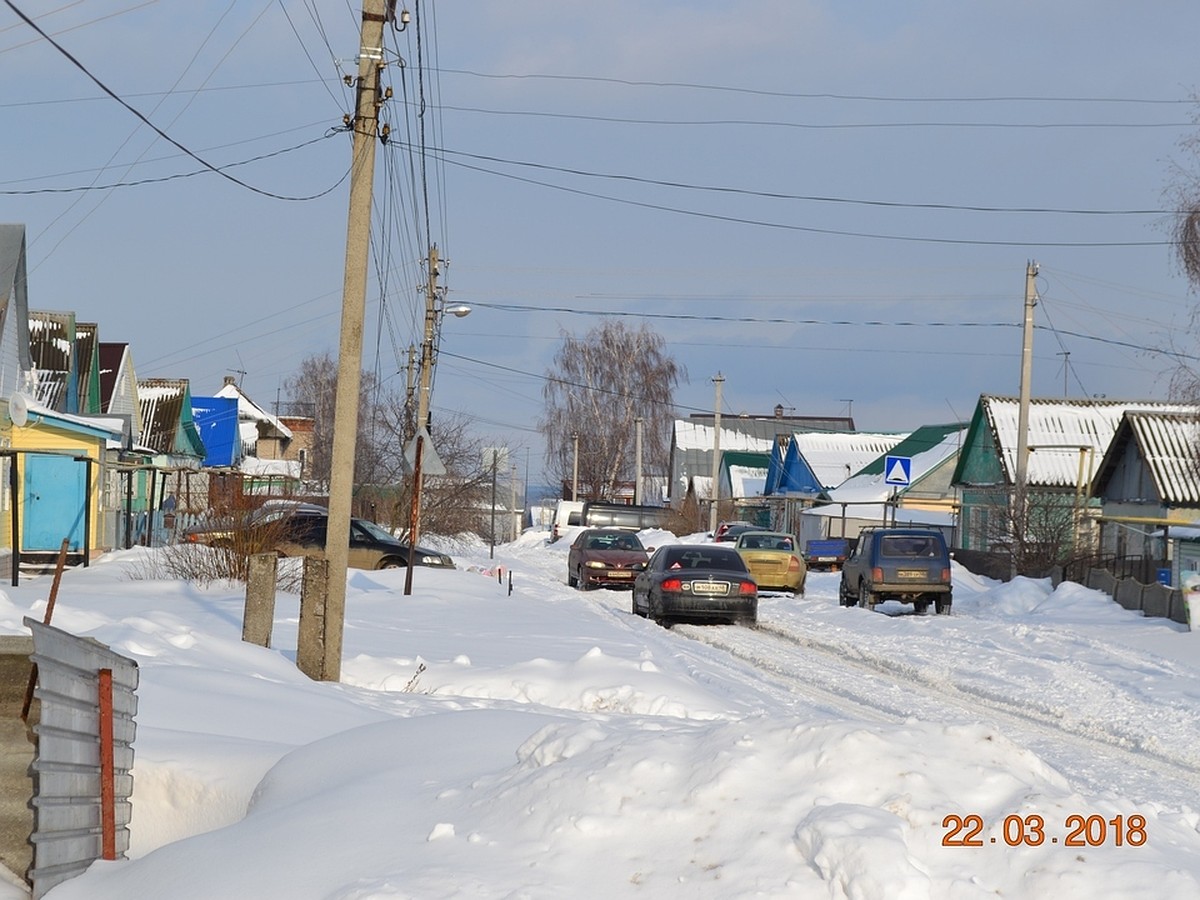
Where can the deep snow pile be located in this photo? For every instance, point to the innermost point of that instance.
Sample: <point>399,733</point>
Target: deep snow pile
<point>547,744</point>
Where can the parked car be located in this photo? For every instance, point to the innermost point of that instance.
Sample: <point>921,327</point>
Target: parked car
<point>371,546</point>
<point>727,532</point>
<point>605,557</point>
<point>567,514</point>
<point>773,560</point>
<point>596,514</point>
<point>235,527</point>
<point>696,583</point>
<point>911,565</point>
<point>829,554</point>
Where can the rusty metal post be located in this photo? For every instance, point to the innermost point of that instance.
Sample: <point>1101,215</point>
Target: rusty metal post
<point>108,805</point>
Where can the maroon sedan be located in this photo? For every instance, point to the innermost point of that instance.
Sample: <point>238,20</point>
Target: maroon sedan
<point>605,557</point>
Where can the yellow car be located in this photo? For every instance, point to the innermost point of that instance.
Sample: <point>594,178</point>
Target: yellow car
<point>774,560</point>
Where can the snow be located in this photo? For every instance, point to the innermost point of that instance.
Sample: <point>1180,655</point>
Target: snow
<point>547,744</point>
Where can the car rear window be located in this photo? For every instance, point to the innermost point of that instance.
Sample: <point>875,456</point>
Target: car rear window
<point>692,558</point>
<point>910,545</point>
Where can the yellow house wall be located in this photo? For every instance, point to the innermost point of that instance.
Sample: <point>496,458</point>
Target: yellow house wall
<point>48,439</point>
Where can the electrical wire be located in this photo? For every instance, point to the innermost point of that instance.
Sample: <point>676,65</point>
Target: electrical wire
<point>100,84</point>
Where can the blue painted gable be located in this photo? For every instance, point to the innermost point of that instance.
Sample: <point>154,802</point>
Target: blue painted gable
<point>216,419</point>
<point>794,475</point>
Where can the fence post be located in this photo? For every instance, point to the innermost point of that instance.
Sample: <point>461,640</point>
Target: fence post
<point>310,643</point>
<point>259,615</point>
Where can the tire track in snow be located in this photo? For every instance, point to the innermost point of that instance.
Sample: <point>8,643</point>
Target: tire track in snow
<point>869,683</point>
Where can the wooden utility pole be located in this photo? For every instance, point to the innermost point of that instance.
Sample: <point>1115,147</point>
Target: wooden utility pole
<point>716,464</point>
<point>324,661</point>
<point>427,344</point>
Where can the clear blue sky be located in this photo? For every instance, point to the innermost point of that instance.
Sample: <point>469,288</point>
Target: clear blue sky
<point>774,186</point>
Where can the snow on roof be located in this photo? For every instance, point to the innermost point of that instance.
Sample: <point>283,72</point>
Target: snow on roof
<point>833,456</point>
<point>1168,445</point>
<point>747,481</point>
<point>868,487</point>
<point>879,512</point>
<point>252,465</point>
<point>1060,431</point>
<point>248,409</point>
<point>691,435</point>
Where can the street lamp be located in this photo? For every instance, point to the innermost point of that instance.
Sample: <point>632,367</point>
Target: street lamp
<point>435,309</point>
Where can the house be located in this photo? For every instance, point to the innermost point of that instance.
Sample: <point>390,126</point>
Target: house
<point>1067,440</point>
<point>57,461</point>
<point>248,450</point>
<point>691,465</point>
<point>1148,486</point>
<point>866,498</point>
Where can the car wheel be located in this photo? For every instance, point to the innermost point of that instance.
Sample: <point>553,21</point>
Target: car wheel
<point>866,599</point>
<point>844,596</point>
<point>921,607</point>
<point>390,562</point>
<point>572,581</point>
<point>581,582</point>
<point>941,607</point>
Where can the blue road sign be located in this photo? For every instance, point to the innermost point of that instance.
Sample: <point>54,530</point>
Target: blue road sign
<point>897,470</point>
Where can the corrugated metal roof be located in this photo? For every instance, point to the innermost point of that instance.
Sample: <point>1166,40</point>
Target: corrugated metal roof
<point>1168,444</point>
<point>833,457</point>
<point>870,484</point>
<point>1058,429</point>
<point>250,411</point>
<point>757,437</point>
<point>51,345</point>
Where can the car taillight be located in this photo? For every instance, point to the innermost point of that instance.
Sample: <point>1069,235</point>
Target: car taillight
<point>945,576</point>
<point>672,584</point>
<point>877,574</point>
<point>793,565</point>
<point>748,588</point>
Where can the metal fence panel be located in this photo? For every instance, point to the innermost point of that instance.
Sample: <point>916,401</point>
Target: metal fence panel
<point>68,828</point>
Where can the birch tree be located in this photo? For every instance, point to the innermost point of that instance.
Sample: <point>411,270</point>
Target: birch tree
<point>600,383</point>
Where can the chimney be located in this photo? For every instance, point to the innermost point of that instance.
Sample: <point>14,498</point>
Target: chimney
<point>229,379</point>
<point>779,410</point>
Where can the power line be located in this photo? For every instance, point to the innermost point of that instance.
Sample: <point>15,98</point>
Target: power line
<point>817,96</point>
<point>178,175</point>
<point>810,229</point>
<point>812,198</point>
<point>810,126</point>
<point>100,84</point>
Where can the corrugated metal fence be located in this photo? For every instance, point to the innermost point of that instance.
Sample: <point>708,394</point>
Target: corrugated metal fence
<point>81,770</point>
<point>1155,600</point>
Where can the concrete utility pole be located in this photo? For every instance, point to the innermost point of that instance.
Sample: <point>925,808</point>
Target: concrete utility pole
<point>324,661</point>
<point>575,469</point>
<point>716,466</point>
<point>637,463</point>
<point>1020,482</point>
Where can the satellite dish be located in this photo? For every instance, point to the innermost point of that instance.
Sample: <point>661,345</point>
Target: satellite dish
<point>18,409</point>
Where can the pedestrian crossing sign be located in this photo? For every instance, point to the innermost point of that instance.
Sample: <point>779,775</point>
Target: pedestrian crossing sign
<point>897,470</point>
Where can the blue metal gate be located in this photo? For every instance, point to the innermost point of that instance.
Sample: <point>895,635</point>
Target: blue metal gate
<point>55,499</point>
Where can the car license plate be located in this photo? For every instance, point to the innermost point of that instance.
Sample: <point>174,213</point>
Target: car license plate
<point>710,587</point>
<point>911,573</point>
<point>620,574</point>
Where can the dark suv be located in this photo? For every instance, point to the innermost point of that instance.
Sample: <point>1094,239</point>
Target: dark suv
<point>911,565</point>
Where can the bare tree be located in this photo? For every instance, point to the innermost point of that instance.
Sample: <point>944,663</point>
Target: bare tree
<point>315,386</point>
<point>1183,195</point>
<point>598,386</point>
<point>1035,530</point>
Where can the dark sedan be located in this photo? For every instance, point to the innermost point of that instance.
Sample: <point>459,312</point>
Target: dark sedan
<point>371,546</point>
<point>605,557</point>
<point>696,583</point>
